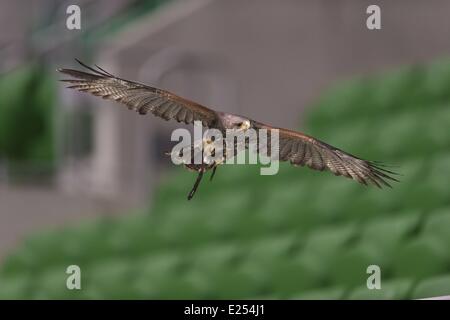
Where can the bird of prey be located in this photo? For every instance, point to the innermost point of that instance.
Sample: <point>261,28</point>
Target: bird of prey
<point>296,147</point>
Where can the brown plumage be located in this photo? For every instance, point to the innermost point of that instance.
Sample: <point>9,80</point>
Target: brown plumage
<point>139,97</point>
<point>297,148</point>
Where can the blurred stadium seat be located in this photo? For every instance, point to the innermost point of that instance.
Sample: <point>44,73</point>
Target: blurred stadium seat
<point>299,234</point>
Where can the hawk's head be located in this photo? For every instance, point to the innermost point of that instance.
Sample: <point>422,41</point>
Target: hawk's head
<point>232,121</point>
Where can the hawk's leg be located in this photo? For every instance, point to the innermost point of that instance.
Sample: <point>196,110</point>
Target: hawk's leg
<point>213,173</point>
<point>197,182</point>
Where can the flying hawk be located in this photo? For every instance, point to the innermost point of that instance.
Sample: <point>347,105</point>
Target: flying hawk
<point>296,147</point>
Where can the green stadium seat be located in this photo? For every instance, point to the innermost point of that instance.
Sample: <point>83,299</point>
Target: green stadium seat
<point>271,248</point>
<point>182,286</point>
<point>16,287</point>
<point>152,273</point>
<point>403,127</point>
<point>438,224</point>
<point>176,229</point>
<point>51,284</point>
<point>437,81</point>
<point>328,209</point>
<point>437,133</point>
<point>334,293</point>
<point>214,256</point>
<point>367,204</point>
<point>349,266</point>
<point>322,247</point>
<point>344,101</point>
<point>228,175</point>
<point>195,222</point>
<point>171,188</point>
<point>129,236</point>
<point>437,179</point>
<point>285,203</point>
<point>226,211</point>
<point>36,253</point>
<point>47,250</point>
<point>390,290</point>
<point>411,171</point>
<point>239,282</point>
<point>289,276</point>
<point>252,265</point>
<point>432,287</point>
<point>199,283</point>
<point>425,190</point>
<point>420,257</point>
<point>97,279</point>
<point>407,87</point>
<point>351,136</point>
<point>386,233</point>
<point>328,239</point>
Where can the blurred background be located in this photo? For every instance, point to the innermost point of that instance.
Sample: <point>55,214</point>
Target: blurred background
<point>84,181</point>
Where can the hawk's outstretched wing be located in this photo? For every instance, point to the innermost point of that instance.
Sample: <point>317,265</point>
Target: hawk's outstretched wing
<point>139,97</point>
<point>303,150</point>
<point>296,147</point>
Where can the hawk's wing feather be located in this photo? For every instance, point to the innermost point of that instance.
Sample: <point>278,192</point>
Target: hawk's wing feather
<point>138,96</point>
<point>303,150</point>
